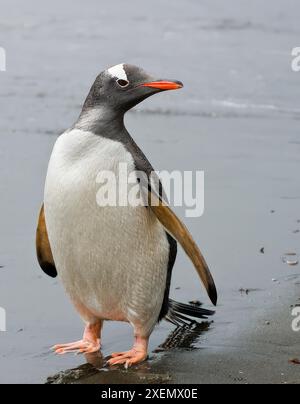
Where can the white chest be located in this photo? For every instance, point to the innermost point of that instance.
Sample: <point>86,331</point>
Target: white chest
<point>113,259</point>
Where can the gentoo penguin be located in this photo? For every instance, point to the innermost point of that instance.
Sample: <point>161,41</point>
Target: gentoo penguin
<point>115,262</point>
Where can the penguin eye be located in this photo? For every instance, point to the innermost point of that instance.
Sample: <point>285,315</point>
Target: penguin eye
<point>123,83</point>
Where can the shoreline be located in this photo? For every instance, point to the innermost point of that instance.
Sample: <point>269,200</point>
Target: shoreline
<point>258,354</point>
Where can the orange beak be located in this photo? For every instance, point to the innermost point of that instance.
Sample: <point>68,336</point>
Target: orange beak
<point>164,85</point>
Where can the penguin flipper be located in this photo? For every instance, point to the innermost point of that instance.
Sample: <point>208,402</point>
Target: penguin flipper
<point>180,233</point>
<point>43,249</point>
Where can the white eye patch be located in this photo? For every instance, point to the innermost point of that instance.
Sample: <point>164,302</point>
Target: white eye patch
<point>118,71</point>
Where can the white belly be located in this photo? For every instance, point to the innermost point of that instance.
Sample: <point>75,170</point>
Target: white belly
<point>112,260</point>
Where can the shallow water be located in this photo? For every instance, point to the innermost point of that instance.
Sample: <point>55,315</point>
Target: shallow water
<point>237,118</point>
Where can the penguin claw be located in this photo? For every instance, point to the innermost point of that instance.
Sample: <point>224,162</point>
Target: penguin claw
<point>127,364</point>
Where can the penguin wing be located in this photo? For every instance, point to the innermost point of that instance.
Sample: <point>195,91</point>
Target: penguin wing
<point>153,193</point>
<point>43,249</point>
<point>180,233</point>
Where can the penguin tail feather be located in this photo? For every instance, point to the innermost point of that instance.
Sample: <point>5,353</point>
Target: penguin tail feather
<point>181,314</point>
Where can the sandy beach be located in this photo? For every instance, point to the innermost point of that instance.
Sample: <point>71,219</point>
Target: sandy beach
<point>237,120</point>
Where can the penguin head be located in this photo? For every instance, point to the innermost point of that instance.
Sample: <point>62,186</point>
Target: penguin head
<point>123,86</point>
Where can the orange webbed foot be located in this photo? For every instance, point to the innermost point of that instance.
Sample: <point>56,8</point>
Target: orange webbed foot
<point>90,342</point>
<point>79,347</point>
<point>128,358</point>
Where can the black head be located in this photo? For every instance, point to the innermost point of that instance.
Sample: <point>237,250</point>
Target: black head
<point>123,86</point>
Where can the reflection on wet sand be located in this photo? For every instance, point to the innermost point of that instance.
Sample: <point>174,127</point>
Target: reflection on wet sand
<point>184,337</point>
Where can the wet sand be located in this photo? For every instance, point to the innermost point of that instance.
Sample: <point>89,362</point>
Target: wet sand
<point>237,119</point>
<point>248,356</point>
